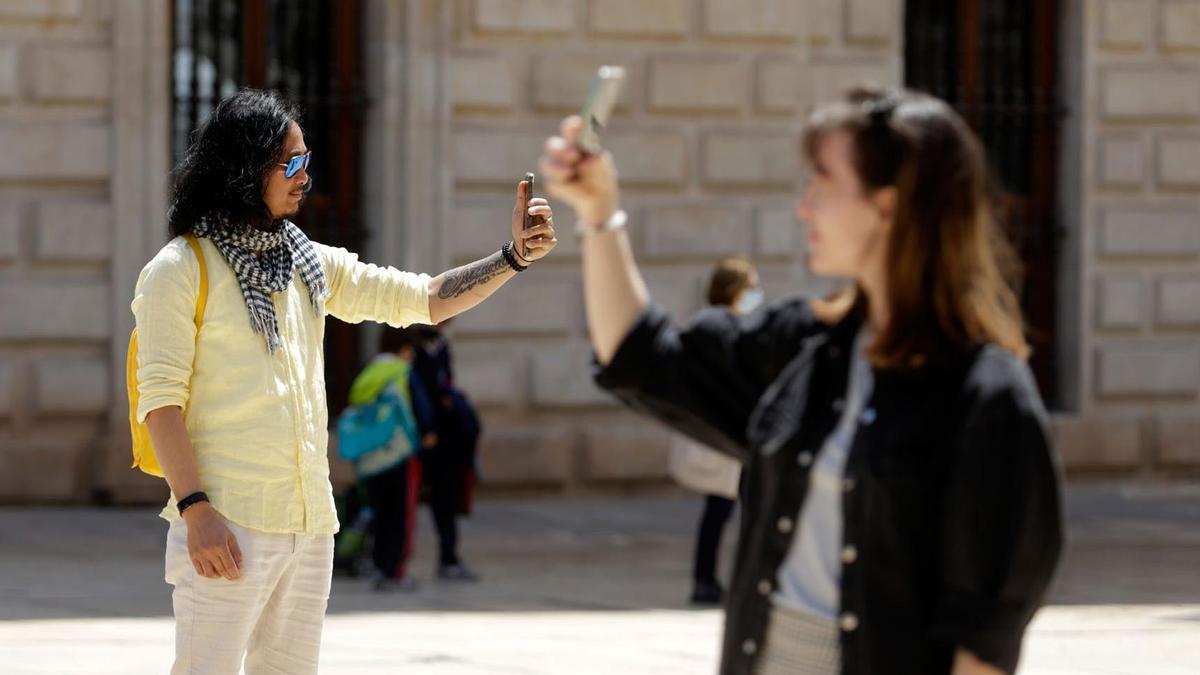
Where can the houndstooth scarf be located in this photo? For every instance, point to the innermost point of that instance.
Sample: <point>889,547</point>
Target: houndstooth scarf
<point>283,250</point>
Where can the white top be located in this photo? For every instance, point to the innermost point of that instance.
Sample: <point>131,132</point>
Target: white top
<point>811,575</point>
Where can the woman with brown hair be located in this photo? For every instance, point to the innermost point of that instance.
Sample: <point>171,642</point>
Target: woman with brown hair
<point>902,509</point>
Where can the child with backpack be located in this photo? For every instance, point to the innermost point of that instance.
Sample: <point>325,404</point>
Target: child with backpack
<point>388,421</point>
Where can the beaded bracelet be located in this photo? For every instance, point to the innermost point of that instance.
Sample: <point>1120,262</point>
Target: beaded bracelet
<point>507,251</point>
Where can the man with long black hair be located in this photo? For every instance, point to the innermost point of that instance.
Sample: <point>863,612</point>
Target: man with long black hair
<point>236,408</point>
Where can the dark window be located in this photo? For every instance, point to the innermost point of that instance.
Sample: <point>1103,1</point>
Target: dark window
<point>995,61</point>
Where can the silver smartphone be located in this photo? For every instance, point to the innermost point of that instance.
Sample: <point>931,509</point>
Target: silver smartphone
<point>598,107</point>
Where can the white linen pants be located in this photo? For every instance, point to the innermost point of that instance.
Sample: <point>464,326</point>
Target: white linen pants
<point>272,615</point>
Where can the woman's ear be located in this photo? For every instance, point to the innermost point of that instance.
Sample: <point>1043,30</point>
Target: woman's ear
<point>885,200</point>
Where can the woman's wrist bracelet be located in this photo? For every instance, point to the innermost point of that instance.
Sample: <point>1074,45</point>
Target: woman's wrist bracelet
<point>616,221</point>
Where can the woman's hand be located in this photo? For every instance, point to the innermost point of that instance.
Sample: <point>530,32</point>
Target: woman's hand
<point>586,182</point>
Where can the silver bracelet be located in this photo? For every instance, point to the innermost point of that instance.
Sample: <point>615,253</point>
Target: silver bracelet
<point>616,222</point>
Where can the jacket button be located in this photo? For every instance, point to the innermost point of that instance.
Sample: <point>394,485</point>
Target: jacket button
<point>849,554</point>
<point>848,622</point>
<point>764,587</point>
<point>805,458</point>
<point>848,484</point>
<point>839,404</point>
<point>784,524</point>
<point>749,647</point>
<point>867,417</point>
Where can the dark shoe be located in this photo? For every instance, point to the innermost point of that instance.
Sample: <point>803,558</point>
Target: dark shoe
<point>456,572</point>
<point>707,593</point>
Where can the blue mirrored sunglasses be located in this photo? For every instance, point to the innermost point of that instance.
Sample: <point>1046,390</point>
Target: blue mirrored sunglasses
<point>293,165</point>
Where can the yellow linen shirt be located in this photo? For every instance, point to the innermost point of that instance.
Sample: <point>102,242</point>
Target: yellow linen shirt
<point>258,422</point>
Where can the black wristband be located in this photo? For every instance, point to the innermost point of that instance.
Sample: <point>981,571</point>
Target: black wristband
<point>190,501</point>
<point>507,251</point>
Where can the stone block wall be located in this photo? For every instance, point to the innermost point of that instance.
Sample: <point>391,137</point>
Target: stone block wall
<point>1140,351</point>
<point>705,138</point>
<point>56,243</point>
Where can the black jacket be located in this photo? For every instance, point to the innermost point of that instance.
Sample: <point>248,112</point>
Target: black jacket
<point>952,523</point>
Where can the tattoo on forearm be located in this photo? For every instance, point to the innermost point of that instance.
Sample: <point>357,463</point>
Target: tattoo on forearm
<point>462,279</point>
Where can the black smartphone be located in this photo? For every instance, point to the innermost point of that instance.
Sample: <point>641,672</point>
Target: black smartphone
<point>529,180</point>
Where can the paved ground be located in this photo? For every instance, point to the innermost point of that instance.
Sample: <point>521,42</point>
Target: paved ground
<point>575,587</point>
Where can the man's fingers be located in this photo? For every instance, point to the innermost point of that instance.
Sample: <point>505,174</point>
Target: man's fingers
<point>218,563</point>
<point>538,201</point>
<point>538,231</point>
<point>231,572</point>
<point>206,568</point>
<point>541,243</point>
<point>235,550</point>
<point>541,210</point>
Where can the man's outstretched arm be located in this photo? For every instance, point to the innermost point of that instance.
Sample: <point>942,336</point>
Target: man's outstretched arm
<point>455,291</point>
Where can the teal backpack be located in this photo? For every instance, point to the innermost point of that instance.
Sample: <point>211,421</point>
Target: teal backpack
<point>377,435</point>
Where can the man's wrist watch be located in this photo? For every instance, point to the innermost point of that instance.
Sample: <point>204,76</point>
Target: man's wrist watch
<point>190,501</point>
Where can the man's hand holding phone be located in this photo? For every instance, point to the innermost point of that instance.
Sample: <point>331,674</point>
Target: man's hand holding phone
<point>532,224</point>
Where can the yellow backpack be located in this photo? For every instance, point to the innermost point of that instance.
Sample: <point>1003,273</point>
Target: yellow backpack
<point>143,450</point>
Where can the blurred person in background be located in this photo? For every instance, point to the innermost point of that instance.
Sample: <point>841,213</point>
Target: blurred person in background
<point>733,286</point>
<point>449,467</point>
<point>388,396</point>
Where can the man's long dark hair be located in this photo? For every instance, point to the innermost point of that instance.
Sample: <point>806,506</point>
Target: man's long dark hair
<point>222,173</point>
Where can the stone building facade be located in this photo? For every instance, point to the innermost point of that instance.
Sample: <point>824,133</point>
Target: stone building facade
<point>1133,260</point>
<point>461,95</point>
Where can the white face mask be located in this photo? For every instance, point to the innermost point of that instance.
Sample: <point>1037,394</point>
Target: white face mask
<point>749,300</point>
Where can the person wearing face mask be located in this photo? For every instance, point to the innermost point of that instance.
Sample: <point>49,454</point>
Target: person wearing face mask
<point>901,499</point>
<point>734,287</point>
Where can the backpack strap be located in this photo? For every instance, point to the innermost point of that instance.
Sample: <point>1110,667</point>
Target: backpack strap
<point>202,297</point>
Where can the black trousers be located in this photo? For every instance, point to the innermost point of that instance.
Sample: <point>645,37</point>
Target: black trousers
<point>445,482</point>
<point>392,495</point>
<point>708,539</point>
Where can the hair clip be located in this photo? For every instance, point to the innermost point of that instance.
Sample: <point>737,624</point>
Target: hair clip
<point>880,109</point>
